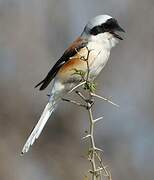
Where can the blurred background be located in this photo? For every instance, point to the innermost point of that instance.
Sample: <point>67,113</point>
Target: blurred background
<point>33,35</point>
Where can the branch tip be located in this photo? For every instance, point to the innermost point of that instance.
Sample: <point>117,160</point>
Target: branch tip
<point>87,136</point>
<point>98,119</point>
<point>105,99</point>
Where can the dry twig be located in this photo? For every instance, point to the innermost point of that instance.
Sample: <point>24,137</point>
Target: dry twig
<point>98,169</point>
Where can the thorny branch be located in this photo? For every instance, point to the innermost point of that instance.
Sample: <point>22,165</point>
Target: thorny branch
<point>98,169</point>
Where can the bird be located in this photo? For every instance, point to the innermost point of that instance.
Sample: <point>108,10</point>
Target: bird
<point>99,37</point>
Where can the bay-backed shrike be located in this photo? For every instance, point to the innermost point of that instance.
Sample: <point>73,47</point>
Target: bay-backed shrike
<point>99,36</point>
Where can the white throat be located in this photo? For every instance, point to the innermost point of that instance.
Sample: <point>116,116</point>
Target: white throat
<point>106,39</point>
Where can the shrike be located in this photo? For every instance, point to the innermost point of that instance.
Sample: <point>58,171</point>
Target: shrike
<point>99,36</point>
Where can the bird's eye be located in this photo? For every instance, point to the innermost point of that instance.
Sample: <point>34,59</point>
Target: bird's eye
<point>111,24</point>
<point>95,30</point>
<point>106,26</point>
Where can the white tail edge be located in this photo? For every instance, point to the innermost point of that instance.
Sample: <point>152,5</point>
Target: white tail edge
<point>39,126</point>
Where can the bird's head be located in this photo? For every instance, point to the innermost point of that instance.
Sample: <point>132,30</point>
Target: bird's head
<point>103,27</point>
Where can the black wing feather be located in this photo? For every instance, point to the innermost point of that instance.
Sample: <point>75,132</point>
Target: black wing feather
<point>65,57</point>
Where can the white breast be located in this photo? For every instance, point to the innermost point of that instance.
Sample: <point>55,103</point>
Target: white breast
<point>98,57</point>
<point>100,45</point>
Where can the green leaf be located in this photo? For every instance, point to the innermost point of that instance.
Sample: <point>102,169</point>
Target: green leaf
<point>90,86</point>
<point>79,72</point>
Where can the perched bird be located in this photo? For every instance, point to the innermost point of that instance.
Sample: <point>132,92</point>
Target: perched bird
<point>98,36</point>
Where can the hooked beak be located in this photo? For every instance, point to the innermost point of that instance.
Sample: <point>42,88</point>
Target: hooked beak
<point>120,29</point>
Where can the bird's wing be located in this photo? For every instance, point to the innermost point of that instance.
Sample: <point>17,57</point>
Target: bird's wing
<point>70,52</point>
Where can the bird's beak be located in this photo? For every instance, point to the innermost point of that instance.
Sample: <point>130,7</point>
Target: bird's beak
<point>119,29</point>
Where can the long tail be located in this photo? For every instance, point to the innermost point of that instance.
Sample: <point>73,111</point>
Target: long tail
<point>40,125</point>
